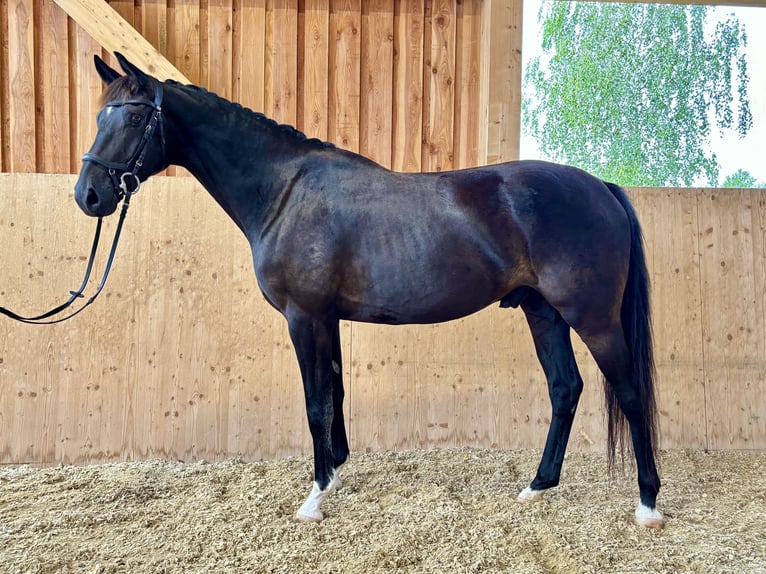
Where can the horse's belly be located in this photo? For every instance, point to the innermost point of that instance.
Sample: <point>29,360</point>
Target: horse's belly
<point>417,297</point>
<point>392,315</point>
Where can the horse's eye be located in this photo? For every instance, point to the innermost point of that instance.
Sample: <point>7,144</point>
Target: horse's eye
<point>135,120</point>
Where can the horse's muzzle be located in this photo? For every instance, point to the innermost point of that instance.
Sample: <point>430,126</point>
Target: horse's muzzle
<point>95,203</point>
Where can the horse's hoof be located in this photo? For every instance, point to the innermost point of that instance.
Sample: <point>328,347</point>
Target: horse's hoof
<point>309,511</point>
<point>308,519</point>
<point>529,495</point>
<point>649,517</point>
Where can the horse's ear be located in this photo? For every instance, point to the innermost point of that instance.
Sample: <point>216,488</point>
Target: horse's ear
<point>133,71</point>
<point>108,75</point>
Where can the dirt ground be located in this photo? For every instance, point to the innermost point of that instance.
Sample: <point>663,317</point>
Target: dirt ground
<point>450,510</point>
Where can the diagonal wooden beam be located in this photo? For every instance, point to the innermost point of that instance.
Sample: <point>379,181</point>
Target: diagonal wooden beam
<point>111,30</point>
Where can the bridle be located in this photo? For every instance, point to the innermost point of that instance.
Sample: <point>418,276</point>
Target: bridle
<point>125,186</point>
<point>136,161</point>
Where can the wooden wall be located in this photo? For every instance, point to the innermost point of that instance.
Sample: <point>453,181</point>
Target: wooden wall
<point>401,82</point>
<point>181,357</point>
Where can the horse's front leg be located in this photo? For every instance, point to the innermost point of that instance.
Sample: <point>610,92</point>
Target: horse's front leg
<point>313,341</point>
<point>339,437</point>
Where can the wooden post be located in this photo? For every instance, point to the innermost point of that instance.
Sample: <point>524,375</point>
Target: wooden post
<point>500,90</point>
<point>407,120</point>
<point>21,107</point>
<point>281,85</point>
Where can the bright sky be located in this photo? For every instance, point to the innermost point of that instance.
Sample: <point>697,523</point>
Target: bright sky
<point>733,153</point>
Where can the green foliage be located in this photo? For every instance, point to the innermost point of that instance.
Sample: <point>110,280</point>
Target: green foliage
<point>742,178</point>
<point>629,91</point>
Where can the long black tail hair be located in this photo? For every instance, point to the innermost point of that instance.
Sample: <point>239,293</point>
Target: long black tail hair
<point>637,327</point>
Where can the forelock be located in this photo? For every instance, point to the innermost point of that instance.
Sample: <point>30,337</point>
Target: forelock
<point>122,88</point>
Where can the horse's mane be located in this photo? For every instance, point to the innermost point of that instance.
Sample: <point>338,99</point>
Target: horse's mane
<point>125,87</point>
<point>248,114</point>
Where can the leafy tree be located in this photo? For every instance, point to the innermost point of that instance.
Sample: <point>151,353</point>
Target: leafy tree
<point>742,178</point>
<point>629,91</point>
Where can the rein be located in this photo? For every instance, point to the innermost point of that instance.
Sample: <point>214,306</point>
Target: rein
<point>124,187</point>
<point>44,319</point>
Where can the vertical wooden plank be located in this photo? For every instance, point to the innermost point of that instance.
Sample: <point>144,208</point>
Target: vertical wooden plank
<point>126,10</point>
<point>439,86</point>
<point>501,80</point>
<point>313,100</point>
<point>756,418</point>
<point>184,45</point>
<point>408,85</point>
<point>248,50</point>
<point>733,342</point>
<point>4,87</point>
<point>87,90</point>
<point>345,62</point>
<point>184,37</point>
<point>377,64</point>
<point>280,102</point>
<point>204,31</point>
<point>219,48</point>
<point>21,76</point>
<point>468,75</point>
<point>154,23</point>
<point>52,89</point>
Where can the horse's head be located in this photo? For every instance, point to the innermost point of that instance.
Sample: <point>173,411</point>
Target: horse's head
<point>130,143</point>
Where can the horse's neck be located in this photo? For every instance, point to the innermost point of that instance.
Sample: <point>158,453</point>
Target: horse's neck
<point>236,160</point>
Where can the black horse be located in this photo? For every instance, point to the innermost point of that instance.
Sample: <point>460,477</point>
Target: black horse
<point>336,236</point>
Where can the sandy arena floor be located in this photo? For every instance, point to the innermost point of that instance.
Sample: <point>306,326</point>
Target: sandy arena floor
<point>449,510</point>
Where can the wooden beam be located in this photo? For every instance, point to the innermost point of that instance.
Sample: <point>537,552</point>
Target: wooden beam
<point>110,30</point>
<point>500,80</point>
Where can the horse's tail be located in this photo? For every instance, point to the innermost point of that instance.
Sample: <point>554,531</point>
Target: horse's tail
<point>637,327</point>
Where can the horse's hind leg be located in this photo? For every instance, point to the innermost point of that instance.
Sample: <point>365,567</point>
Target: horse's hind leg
<point>554,350</point>
<point>612,355</point>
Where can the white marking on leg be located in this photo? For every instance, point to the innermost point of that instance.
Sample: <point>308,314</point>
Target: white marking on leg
<point>530,495</point>
<point>311,509</point>
<point>649,517</point>
<point>336,368</point>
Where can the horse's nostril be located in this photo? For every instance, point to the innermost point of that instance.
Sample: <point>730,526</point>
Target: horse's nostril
<point>92,198</point>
